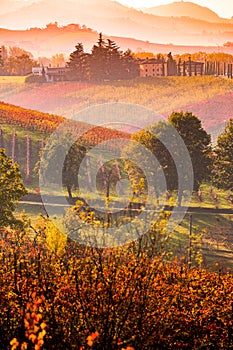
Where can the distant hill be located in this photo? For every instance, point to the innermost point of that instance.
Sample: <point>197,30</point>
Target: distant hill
<point>114,19</point>
<point>184,9</point>
<point>62,39</point>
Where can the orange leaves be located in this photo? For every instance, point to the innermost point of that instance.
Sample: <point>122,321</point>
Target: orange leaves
<point>34,328</point>
<point>15,345</point>
<point>91,338</point>
<point>47,123</point>
<point>133,302</point>
<point>29,119</point>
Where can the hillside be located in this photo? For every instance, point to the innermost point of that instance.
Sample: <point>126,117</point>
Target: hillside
<point>23,133</point>
<point>210,99</point>
<point>186,9</point>
<point>46,123</point>
<point>108,17</point>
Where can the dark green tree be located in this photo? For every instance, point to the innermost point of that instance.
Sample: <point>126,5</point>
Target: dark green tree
<point>78,64</point>
<point>114,68</point>
<point>99,61</point>
<point>71,166</point>
<point>11,190</point>
<point>198,143</point>
<point>223,160</point>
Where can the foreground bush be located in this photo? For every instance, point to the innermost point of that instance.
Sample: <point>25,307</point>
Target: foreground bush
<point>107,299</point>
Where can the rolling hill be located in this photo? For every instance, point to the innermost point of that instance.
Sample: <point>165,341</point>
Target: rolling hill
<point>209,98</point>
<point>184,9</point>
<point>46,123</point>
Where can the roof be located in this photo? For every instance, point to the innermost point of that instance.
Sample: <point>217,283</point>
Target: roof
<point>153,61</point>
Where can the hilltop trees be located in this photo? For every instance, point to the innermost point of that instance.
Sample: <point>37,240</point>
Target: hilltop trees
<point>78,64</point>
<point>106,62</point>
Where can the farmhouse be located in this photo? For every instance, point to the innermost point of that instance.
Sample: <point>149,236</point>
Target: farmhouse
<point>153,68</point>
<point>158,67</point>
<point>51,74</point>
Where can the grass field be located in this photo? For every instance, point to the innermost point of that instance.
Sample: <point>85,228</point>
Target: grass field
<point>11,85</point>
<point>12,80</point>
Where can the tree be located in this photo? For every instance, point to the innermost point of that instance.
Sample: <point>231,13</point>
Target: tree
<point>15,51</point>
<point>58,60</point>
<point>19,65</point>
<point>114,62</point>
<point>11,190</point>
<point>223,160</point>
<point>71,167</point>
<point>198,143</point>
<point>130,65</point>
<point>78,64</point>
<point>98,61</point>
<point>150,138</point>
<point>51,165</point>
<point>168,152</point>
<point>1,59</point>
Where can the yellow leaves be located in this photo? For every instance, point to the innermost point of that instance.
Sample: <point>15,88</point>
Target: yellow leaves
<point>14,344</point>
<point>43,325</point>
<point>55,239</point>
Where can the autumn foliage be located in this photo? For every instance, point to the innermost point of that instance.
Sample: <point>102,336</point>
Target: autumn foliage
<point>82,298</point>
<point>47,123</point>
<point>28,119</point>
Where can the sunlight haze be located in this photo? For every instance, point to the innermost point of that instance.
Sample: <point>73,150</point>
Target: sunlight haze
<point>222,8</point>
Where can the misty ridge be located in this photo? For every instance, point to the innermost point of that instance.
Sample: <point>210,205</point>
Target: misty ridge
<point>190,24</point>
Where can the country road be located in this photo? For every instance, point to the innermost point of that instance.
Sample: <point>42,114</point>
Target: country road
<point>57,201</point>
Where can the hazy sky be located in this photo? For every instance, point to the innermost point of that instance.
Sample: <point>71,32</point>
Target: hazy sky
<point>223,8</point>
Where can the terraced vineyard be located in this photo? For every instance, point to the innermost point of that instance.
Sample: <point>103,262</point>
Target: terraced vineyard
<point>209,97</point>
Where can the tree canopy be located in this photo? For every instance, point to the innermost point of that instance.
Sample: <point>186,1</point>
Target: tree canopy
<point>223,160</point>
<point>198,143</point>
<point>105,62</point>
<point>11,190</point>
